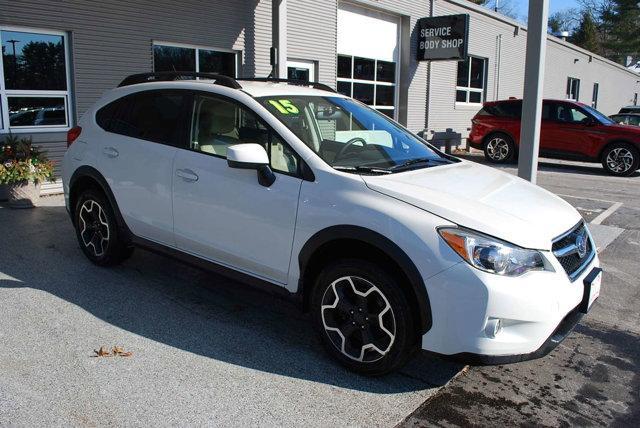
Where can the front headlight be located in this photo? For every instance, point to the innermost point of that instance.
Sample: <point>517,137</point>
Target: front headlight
<point>492,255</point>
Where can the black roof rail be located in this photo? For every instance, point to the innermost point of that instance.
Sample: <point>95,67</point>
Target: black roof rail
<point>297,82</point>
<point>165,76</point>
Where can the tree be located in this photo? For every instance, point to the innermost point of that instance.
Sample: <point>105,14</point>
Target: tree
<point>563,20</point>
<point>624,21</point>
<point>505,7</point>
<point>586,35</point>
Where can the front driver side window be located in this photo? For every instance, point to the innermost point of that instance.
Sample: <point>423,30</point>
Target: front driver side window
<point>219,123</point>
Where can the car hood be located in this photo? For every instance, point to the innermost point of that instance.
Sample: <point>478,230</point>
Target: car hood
<point>483,199</point>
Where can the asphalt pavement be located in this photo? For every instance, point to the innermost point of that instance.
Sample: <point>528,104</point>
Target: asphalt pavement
<point>207,350</point>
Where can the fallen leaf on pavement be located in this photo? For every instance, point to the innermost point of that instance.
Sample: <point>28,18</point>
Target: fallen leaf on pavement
<point>102,352</point>
<point>119,351</point>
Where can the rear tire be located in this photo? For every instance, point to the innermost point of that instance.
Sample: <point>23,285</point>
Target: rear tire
<point>499,148</point>
<point>620,159</point>
<point>97,231</point>
<point>363,317</point>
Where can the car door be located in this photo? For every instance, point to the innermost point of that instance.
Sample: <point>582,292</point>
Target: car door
<point>137,152</point>
<point>565,130</point>
<point>223,214</point>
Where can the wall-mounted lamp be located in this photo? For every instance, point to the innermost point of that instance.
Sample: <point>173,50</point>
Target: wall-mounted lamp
<point>516,30</point>
<point>576,60</point>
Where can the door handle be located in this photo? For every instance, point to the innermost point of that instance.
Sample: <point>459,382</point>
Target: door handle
<point>110,152</point>
<point>187,175</point>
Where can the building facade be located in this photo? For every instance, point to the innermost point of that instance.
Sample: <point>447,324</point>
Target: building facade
<point>58,57</point>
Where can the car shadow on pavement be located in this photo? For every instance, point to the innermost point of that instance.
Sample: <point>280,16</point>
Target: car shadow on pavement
<point>548,165</point>
<point>186,308</point>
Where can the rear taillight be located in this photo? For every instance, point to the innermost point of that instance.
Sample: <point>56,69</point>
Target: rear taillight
<point>73,134</point>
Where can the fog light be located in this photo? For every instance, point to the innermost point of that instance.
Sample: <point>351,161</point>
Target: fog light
<point>493,328</point>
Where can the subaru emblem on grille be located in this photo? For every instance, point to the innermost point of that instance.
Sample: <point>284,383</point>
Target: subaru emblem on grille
<point>581,244</point>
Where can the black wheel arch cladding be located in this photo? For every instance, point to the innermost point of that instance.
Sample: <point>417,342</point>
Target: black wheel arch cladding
<point>417,297</point>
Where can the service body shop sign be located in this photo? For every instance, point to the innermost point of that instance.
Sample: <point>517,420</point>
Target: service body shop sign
<point>443,38</point>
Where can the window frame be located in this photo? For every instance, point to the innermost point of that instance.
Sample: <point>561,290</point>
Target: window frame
<point>468,89</point>
<point>190,115</point>
<point>375,82</point>
<point>197,48</point>
<point>570,80</point>
<point>5,94</point>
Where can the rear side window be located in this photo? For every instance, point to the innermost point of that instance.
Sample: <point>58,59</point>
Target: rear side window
<point>151,115</point>
<point>506,109</point>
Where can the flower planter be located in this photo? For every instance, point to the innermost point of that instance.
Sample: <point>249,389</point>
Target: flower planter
<point>4,192</point>
<point>24,194</point>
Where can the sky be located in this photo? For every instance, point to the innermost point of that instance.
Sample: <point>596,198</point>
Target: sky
<point>554,5</point>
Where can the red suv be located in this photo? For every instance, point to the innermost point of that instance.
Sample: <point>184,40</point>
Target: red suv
<point>569,130</point>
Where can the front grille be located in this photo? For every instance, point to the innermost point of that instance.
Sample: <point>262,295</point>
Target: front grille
<point>566,250</point>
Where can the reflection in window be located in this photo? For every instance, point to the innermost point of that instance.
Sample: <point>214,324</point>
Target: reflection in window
<point>354,75</point>
<point>573,88</point>
<point>183,58</point>
<point>344,66</point>
<point>172,58</point>
<point>36,111</point>
<point>344,88</point>
<point>217,62</point>
<point>363,92</point>
<point>363,69</point>
<point>35,71</point>
<point>471,80</point>
<point>298,73</point>
<point>33,61</point>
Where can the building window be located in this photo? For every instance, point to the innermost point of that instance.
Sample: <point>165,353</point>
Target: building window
<point>635,99</point>
<point>174,57</point>
<point>594,97</point>
<point>471,80</point>
<point>301,70</point>
<point>573,88</point>
<point>34,80</point>
<point>371,81</point>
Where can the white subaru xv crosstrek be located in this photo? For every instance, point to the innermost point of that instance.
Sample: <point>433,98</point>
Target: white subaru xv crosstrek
<point>390,244</point>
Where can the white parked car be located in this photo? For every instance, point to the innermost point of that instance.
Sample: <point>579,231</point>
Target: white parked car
<point>390,244</point>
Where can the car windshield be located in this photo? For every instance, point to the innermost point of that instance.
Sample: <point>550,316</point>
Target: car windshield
<point>352,137</point>
<point>599,116</point>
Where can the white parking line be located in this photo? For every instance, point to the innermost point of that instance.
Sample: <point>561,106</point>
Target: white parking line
<point>586,198</point>
<point>607,213</point>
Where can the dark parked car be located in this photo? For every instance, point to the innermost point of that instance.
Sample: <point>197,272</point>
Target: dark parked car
<point>570,130</point>
<point>626,118</point>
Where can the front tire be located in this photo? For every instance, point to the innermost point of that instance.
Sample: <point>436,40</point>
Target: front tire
<point>499,148</point>
<point>363,317</point>
<point>97,231</point>
<point>620,159</point>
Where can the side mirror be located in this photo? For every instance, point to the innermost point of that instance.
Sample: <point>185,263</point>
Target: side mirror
<point>251,156</point>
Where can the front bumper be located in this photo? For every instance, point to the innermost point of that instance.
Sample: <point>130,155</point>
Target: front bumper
<point>536,312</point>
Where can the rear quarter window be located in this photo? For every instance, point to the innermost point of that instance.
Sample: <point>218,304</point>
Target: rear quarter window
<point>505,110</point>
<point>149,115</point>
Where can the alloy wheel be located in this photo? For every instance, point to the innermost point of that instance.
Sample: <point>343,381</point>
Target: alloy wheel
<point>498,148</point>
<point>94,226</point>
<point>358,319</point>
<point>619,160</point>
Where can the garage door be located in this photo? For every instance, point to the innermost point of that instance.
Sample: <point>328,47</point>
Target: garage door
<point>368,57</point>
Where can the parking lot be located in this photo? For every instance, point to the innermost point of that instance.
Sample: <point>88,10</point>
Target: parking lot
<point>208,350</point>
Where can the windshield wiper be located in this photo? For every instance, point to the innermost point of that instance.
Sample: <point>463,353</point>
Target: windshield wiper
<point>410,162</point>
<point>361,168</point>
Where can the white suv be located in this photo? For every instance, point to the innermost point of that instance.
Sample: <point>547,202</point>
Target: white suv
<point>390,244</point>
